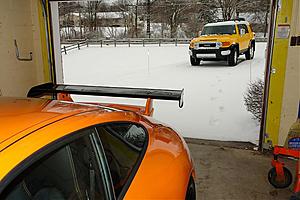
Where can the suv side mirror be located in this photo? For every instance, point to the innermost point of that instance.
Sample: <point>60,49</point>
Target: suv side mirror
<point>199,33</point>
<point>243,31</point>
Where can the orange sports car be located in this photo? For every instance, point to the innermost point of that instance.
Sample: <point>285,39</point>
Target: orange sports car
<point>54,148</point>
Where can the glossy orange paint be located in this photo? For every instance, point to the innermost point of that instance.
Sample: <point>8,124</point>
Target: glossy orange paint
<point>28,125</point>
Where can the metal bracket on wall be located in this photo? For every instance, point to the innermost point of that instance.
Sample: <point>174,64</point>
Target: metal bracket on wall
<point>18,55</point>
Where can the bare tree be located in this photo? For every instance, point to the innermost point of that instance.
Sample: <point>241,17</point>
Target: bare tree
<point>92,10</point>
<point>231,8</point>
<point>125,7</point>
<point>260,11</point>
<point>147,8</point>
<point>254,99</point>
<point>200,13</point>
<point>174,12</point>
<point>136,19</point>
<point>228,8</point>
<point>79,9</point>
<point>167,15</point>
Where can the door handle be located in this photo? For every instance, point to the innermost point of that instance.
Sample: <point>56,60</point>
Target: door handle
<point>273,70</point>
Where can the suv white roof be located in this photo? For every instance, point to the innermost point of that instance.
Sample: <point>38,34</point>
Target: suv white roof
<point>227,23</point>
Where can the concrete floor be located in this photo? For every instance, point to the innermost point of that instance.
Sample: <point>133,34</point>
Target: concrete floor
<point>234,171</point>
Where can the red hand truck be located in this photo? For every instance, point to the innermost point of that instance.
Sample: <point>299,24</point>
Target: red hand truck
<point>279,176</point>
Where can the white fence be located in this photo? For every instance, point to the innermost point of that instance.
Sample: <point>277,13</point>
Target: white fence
<point>77,44</point>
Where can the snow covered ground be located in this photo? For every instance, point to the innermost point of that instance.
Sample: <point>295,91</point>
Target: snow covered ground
<point>213,103</point>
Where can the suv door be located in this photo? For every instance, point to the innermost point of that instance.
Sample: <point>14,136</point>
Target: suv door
<point>73,171</point>
<point>247,36</point>
<point>244,36</point>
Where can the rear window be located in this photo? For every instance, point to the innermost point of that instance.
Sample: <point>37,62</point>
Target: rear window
<point>218,30</point>
<point>123,145</point>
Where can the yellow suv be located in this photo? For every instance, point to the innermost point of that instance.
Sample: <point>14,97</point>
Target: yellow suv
<point>223,41</point>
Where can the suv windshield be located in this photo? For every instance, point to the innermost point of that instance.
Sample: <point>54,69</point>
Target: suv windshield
<point>224,29</point>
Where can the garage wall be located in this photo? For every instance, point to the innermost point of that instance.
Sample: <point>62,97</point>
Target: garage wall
<point>284,90</point>
<point>291,94</point>
<point>20,20</point>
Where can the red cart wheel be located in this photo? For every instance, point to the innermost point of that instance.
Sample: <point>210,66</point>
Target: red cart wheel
<point>288,178</point>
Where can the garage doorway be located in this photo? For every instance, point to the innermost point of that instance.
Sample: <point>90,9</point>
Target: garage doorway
<point>105,52</point>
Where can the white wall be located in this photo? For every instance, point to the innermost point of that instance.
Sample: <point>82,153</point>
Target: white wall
<point>19,21</point>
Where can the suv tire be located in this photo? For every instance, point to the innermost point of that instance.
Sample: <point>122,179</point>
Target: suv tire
<point>233,57</point>
<point>249,54</point>
<point>194,61</point>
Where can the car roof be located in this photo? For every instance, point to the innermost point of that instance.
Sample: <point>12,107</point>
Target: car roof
<point>20,114</point>
<point>227,23</point>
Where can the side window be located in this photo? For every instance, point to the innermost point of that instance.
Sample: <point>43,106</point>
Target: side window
<point>239,27</point>
<point>72,172</point>
<point>245,27</point>
<point>131,133</point>
<point>123,145</point>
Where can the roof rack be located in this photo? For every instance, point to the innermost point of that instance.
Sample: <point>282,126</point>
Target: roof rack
<point>144,93</point>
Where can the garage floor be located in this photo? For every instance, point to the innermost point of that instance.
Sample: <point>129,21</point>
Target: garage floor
<point>234,171</point>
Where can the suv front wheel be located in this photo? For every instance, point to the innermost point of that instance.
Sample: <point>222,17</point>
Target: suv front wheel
<point>194,61</point>
<point>233,57</point>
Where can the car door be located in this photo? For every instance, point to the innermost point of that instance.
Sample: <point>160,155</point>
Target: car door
<point>247,36</point>
<point>72,170</point>
<point>243,37</point>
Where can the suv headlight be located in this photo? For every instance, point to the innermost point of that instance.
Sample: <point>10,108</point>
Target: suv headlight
<point>218,44</point>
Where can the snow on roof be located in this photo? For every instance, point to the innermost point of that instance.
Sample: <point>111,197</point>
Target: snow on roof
<point>75,14</point>
<point>111,15</point>
<point>227,23</point>
<point>221,23</point>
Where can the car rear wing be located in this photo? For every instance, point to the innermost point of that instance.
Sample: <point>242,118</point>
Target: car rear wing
<point>144,93</point>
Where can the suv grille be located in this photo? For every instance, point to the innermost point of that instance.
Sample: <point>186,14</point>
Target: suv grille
<point>207,45</point>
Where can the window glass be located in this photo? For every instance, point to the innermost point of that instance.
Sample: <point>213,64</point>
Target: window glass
<point>239,27</point>
<point>243,26</point>
<point>87,170</point>
<point>218,30</point>
<point>68,173</point>
<point>131,133</point>
<point>122,145</point>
